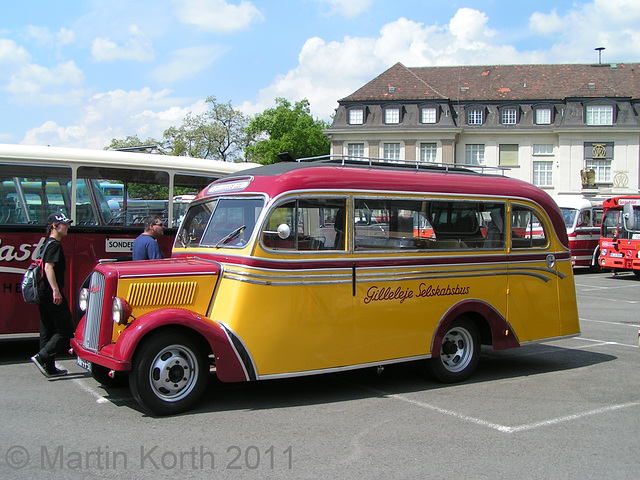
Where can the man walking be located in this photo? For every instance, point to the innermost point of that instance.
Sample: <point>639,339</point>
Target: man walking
<point>56,325</point>
<point>146,247</point>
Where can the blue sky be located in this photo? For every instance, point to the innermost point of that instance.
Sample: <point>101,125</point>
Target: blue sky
<point>78,73</point>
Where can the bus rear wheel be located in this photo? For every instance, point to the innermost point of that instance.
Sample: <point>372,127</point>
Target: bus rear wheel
<point>459,353</point>
<point>169,374</point>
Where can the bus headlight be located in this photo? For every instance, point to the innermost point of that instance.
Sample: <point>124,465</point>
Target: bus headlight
<point>603,252</point>
<point>120,311</point>
<point>83,299</point>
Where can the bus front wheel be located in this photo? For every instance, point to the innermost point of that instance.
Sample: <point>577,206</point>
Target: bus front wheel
<point>169,374</point>
<point>459,353</point>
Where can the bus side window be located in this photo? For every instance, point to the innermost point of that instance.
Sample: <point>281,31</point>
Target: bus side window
<point>314,224</point>
<point>495,228</point>
<point>585,219</point>
<point>527,230</point>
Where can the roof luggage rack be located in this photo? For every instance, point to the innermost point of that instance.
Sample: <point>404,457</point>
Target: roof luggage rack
<point>403,164</point>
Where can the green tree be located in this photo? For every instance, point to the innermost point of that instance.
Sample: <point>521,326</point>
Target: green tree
<point>286,128</point>
<point>218,134</point>
<point>132,141</point>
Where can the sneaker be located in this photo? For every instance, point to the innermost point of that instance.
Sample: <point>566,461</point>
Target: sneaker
<point>55,372</point>
<point>41,366</point>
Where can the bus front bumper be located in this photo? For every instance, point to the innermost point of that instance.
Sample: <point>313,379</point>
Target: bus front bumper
<point>103,357</point>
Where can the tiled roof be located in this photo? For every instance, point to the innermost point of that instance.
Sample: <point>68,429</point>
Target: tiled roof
<point>502,83</point>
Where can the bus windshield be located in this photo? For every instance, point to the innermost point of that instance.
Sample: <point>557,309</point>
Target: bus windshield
<point>613,224</point>
<point>569,215</point>
<point>227,222</point>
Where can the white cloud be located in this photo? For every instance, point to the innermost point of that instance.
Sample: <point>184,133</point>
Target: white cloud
<point>218,16</point>
<point>348,8</point>
<point>187,62</point>
<point>36,84</point>
<point>116,114</point>
<point>138,47</point>
<point>601,23</point>
<point>44,36</point>
<point>469,26</point>
<point>10,52</point>
<point>545,23</point>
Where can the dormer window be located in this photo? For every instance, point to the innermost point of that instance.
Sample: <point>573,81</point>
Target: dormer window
<point>475,116</point>
<point>429,115</point>
<point>543,116</point>
<point>392,115</point>
<point>599,114</point>
<point>509,116</point>
<point>356,116</point>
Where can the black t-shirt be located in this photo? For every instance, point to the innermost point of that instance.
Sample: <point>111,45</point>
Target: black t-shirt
<point>55,255</point>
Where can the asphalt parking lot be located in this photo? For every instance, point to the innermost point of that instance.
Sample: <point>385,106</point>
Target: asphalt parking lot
<point>564,409</point>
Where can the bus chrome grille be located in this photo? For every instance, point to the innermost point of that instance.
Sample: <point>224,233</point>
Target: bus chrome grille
<point>93,316</point>
<point>162,294</point>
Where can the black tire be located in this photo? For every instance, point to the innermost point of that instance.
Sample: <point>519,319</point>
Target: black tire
<point>170,373</point>
<point>459,353</point>
<point>101,375</point>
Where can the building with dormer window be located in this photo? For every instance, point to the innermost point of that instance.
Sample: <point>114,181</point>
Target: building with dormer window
<point>565,128</point>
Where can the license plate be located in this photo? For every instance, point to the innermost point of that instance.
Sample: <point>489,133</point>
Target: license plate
<point>83,363</point>
<point>616,255</point>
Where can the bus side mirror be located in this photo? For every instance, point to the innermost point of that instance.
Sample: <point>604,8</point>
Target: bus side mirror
<point>629,219</point>
<point>284,231</point>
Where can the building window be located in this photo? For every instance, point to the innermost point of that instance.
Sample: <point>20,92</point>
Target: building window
<point>542,149</point>
<point>474,155</point>
<point>355,150</point>
<point>429,115</point>
<point>543,173</point>
<point>356,116</point>
<point>543,116</point>
<point>392,115</point>
<point>428,152</point>
<point>475,116</point>
<point>508,155</point>
<point>602,169</point>
<point>391,151</point>
<point>599,115</point>
<point>509,116</point>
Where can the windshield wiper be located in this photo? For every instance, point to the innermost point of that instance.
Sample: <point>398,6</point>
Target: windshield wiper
<point>231,236</point>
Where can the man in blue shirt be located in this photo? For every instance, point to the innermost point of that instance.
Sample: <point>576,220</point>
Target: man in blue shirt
<point>146,247</point>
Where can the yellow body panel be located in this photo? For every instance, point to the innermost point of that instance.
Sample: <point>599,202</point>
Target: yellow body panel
<point>148,294</point>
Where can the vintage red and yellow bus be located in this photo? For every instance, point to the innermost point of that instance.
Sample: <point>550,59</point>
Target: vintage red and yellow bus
<point>306,268</point>
<point>35,181</point>
<point>620,234</point>
<point>583,218</point>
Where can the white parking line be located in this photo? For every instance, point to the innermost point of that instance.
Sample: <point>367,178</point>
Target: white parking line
<point>597,343</point>
<point>97,395</point>
<point>505,428</point>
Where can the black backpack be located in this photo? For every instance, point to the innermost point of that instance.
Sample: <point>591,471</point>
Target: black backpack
<point>33,280</point>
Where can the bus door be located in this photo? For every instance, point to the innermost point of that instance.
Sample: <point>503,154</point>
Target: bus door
<point>532,305</point>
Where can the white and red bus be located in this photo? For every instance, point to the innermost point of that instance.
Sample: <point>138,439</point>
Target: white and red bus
<point>36,181</point>
<point>583,218</point>
<point>620,234</point>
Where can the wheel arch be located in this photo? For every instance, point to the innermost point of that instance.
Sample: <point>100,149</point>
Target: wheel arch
<point>211,336</point>
<point>493,327</point>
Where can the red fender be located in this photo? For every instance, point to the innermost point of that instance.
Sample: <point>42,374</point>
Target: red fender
<point>118,356</point>
<point>502,334</point>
